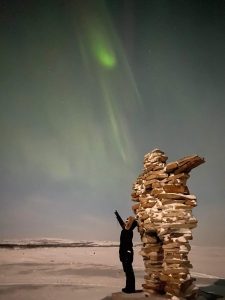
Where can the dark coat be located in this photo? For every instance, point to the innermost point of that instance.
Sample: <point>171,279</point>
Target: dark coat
<point>126,244</point>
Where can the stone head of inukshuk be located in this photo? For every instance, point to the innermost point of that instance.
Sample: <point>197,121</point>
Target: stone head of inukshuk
<point>164,214</point>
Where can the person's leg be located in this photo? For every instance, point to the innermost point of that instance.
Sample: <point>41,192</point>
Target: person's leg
<point>130,282</point>
<point>130,278</point>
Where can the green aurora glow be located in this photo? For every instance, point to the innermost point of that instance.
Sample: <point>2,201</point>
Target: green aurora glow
<point>104,55</point>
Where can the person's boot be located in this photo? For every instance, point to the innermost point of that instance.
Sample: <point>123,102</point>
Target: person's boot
<point>128,291</point>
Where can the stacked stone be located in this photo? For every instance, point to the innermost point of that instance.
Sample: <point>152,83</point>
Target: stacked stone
<point>164,212</point>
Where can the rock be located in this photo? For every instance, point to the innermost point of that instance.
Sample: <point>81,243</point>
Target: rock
<point>164,215</point>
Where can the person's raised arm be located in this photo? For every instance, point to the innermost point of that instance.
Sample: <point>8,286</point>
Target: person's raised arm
<point>120,220</point>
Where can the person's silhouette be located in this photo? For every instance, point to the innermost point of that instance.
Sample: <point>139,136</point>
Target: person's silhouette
<point>126,252</point>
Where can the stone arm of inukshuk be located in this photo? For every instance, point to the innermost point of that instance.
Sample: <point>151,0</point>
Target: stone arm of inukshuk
<point>164,213</point>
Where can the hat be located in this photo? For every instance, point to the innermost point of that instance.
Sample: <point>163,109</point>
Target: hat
<point>131,223</point>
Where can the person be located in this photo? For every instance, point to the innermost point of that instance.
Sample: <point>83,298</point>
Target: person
<point>126,252</point>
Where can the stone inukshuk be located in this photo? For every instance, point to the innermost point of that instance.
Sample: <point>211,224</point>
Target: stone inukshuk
<point>164,214</point>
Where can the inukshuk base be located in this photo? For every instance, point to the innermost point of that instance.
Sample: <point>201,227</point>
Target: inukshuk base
<point>164,213</point>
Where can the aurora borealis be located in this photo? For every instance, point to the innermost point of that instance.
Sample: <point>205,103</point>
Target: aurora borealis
<point>89,87</point>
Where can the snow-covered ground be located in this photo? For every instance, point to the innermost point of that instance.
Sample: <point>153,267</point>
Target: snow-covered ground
<point>83,273</point>
<point>49,242</point>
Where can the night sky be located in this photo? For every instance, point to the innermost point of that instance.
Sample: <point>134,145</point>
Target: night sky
<point>86,89</point>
